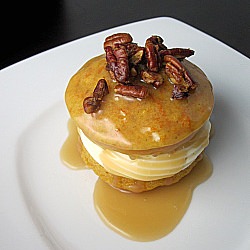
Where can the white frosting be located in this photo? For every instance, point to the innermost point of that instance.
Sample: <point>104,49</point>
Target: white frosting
<point>149,167</point>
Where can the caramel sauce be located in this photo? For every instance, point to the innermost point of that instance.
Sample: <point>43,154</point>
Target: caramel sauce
<point>150,215</point>
<point>70,151</point>
<point>146,216</point>
<point>158,120</point>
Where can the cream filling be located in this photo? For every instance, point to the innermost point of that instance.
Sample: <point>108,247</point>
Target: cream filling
<point>149,167</point>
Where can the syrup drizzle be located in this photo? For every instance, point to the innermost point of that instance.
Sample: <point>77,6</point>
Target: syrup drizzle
<point>70,150</point>
<point>146,216</point>
<point>150,215</point>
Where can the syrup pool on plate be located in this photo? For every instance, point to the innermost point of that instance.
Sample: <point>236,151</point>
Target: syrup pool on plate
<point>145,216</point>
<point>149,215</point>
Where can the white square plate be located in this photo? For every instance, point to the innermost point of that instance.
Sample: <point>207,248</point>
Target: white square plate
<point>46,205</point>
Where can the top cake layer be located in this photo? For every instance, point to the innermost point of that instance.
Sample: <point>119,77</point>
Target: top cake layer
<point>155,124</point>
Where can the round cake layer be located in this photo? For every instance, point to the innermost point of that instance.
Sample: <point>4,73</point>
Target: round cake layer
<point>132,125</point>
<point>149,167</point>
<point>132,185</point>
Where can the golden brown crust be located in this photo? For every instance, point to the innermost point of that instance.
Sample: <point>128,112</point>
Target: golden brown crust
<point>131,185</point>
<point>138,125</point>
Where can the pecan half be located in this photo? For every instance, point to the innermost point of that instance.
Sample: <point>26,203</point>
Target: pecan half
<point>136,91</point>
<point>153,78</point>
<point>153,46</point>
<point>177,52</point>
<point>92,104</point>
<point>129,64</point>
<point>174,66</point>
<point>158,42</point>
<point>101,89</point>
<point>183,82</point>
<point>117,55</point>
<point>122,66</point>
<point>152,56</point>
<point>116,39</point>
<point>179,92</point>
<point>136,56</point>
<point>117,62</point>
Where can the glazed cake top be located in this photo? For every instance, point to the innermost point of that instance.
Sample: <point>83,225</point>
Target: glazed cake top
<point>128,124</point>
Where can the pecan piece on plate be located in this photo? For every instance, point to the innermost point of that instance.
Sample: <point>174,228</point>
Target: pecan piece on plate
<point>136,91</point>
<point>92,104</point>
